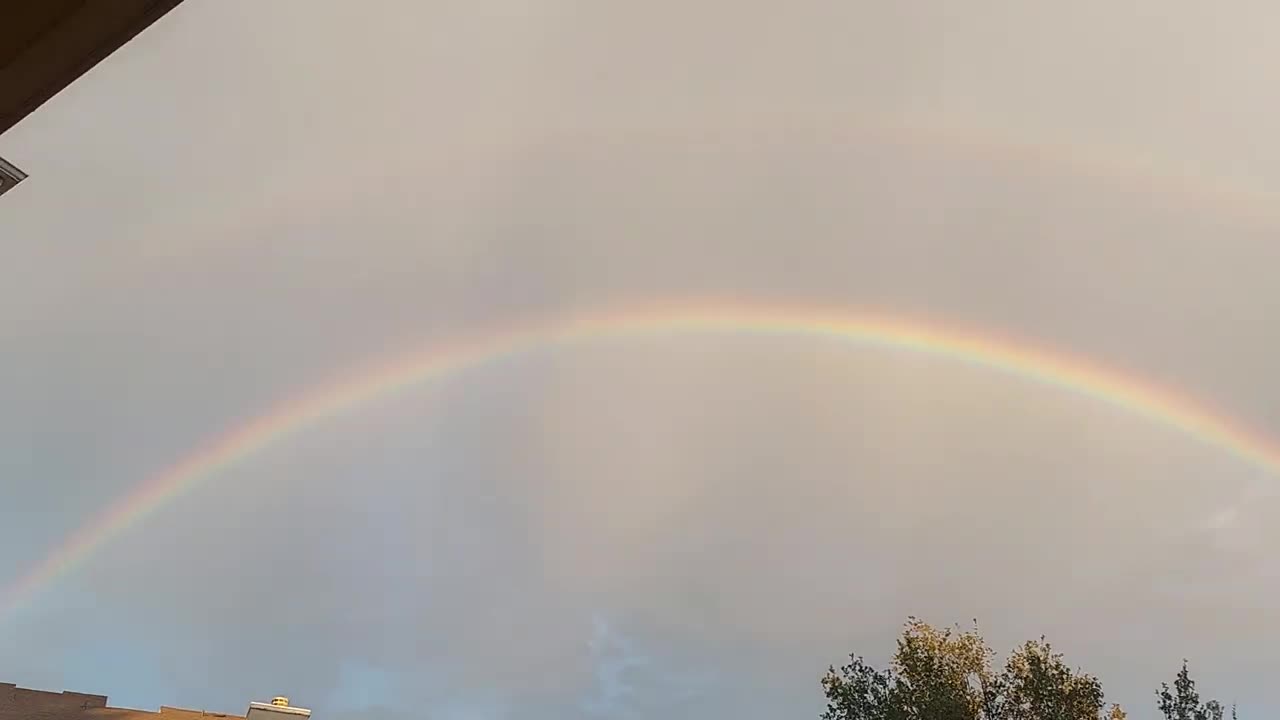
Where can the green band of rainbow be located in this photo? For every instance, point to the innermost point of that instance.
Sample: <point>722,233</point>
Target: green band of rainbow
<point>869,330</point>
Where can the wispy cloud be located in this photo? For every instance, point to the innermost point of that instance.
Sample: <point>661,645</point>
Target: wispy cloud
<point>629,683</point>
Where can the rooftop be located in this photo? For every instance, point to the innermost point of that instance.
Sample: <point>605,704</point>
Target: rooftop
<point>18,703</point>
<point>45,45</point>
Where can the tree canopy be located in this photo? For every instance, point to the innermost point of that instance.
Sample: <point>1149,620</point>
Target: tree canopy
<point>952,674</point>
<point>1183,703</point>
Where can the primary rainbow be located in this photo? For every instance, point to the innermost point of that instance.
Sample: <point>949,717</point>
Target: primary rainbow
<point>867,329</point>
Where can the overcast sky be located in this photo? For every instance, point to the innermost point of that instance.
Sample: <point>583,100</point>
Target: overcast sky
<point>253,197</point>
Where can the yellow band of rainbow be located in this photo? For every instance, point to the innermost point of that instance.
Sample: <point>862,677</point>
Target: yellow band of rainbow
<point>871,330</point>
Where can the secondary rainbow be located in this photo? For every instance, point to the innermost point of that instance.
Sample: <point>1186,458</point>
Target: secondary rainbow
<point>870,329</point>
<point>1044,153</point>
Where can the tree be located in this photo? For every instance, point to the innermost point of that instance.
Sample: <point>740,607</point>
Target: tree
<point>859,692</point>
<point>945,675</point>
<point>1183,703</point>
<point>948,675</point>
<point>935,675</point>
<point>1040,686</point>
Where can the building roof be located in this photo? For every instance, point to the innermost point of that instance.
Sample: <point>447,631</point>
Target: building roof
<point>46,44</point>
<point>22,704</point>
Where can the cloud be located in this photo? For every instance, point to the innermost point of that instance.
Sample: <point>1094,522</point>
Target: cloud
<point>736,512</point>
<point>632,684</point>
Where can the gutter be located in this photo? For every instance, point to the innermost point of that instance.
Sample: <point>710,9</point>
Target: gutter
<point>10,176</point>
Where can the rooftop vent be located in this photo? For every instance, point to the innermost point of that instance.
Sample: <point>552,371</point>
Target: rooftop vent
<point>279,701</point>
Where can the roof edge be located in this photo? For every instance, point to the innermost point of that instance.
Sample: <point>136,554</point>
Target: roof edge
<point>10,176</point>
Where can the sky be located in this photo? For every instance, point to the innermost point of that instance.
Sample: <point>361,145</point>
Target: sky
<point>252,198</point>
